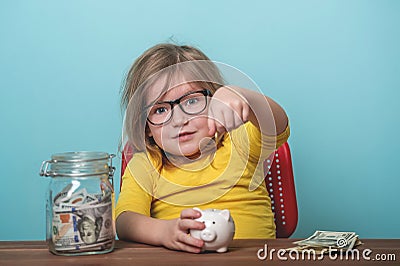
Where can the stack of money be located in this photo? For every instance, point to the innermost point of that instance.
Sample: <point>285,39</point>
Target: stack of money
<point>81,220</point>
<point>328,241</point>
<point>65,202</point>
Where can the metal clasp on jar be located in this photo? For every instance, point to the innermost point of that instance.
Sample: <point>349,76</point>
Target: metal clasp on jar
<point>49,167</point>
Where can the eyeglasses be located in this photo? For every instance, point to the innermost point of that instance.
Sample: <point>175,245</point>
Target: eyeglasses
<point>191,103</point>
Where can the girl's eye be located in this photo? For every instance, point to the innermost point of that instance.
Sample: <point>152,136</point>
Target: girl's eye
<point>192,101</point>
<point>160,110</point>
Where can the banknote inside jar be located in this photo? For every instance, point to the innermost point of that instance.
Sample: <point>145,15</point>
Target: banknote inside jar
<point>82,221</point>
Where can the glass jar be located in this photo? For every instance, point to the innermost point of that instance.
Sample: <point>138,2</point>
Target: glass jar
<point>80,199</point>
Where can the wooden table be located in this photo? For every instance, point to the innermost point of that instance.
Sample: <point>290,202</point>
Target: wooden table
<point>241,252</point>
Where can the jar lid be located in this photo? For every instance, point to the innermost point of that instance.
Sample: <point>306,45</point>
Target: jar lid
<point>78,164</point>
<point>80,156</point>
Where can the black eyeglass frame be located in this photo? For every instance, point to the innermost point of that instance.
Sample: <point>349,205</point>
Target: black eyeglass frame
<point>205,92</point>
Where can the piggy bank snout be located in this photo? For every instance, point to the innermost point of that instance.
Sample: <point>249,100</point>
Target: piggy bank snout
<point>208,235</point>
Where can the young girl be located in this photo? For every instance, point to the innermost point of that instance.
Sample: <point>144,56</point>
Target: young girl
<point>196,143</point>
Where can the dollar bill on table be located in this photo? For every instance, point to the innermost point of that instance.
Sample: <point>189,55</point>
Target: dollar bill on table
<point>328,241</point>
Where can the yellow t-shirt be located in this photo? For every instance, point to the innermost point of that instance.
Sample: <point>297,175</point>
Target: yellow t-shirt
<point>234,180</point>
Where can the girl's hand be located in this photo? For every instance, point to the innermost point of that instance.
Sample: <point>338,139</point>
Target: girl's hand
<point>228,110</point>
<point>177,237</point>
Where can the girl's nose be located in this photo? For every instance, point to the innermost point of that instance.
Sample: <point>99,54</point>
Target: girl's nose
<point>179,118</point>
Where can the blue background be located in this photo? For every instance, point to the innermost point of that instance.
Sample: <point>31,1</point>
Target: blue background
<point>333,65</point>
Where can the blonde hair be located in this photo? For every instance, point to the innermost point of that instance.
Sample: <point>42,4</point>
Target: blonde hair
<point>144,72</point>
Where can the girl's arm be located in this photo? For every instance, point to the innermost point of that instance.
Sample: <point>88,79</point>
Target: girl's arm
<point>262,115</point>
<point>231,106</point>
<point>172,234</point>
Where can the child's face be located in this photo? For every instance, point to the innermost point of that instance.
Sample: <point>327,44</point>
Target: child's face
<point>183,133</point>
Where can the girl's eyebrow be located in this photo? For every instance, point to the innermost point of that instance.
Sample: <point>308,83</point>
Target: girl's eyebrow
<point>183,95</point>
<point>191,90</point>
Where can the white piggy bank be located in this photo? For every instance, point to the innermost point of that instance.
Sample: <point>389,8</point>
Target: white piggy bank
<point>219,230</point>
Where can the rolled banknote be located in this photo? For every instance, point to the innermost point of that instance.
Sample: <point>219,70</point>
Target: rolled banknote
<point>82,221</point>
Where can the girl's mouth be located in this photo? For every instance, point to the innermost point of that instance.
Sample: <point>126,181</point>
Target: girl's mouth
<point>184,136</point>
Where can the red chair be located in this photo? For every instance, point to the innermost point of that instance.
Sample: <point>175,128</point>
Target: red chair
<point>279,180</point>
<point>126,157</point>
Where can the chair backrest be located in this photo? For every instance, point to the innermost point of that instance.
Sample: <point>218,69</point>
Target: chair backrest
<point>126,157</point>
<point>279,180</point>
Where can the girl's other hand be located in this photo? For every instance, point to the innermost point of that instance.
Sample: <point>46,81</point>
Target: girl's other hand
<point>228,110</point>
<point>177,237</point>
